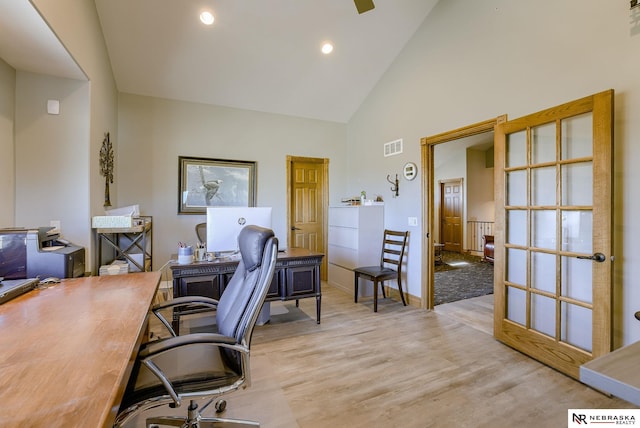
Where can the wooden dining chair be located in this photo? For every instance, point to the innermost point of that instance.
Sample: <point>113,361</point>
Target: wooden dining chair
<point>393,247</point>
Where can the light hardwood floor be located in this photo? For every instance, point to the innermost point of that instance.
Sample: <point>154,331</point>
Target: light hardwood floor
<point>402,367</point>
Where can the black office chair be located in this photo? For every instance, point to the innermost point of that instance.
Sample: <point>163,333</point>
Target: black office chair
<point>390,267</point>
<point>206,365</point>
<point>201,232</point>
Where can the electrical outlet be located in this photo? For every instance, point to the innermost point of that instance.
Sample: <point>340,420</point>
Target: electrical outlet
<point>413,221</point>
<point>55,224</point>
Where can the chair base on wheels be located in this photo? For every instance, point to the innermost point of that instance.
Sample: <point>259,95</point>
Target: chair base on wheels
<point>195,420</point>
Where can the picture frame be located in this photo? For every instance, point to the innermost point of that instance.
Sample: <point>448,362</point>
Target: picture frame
<point>205,182</point>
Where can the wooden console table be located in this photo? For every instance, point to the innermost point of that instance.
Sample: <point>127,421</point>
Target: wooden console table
<point>297,276</point>
<point>66,352</point>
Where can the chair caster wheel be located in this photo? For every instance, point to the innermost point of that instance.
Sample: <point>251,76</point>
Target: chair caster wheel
<point>221,406</point>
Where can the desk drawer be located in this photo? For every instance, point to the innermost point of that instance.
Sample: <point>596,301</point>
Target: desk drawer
<point>343,237</point>
<point>301,281</point>
<point>345,257</point>
<point>207,285</point>
<point>275,289</point>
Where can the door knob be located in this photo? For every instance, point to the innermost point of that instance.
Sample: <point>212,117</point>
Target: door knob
<point>597,257</point>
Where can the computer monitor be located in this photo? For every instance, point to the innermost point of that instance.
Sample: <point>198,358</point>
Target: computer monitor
<point>225,223</point>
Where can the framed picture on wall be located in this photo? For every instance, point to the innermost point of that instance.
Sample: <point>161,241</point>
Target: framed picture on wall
<point>204,182</point>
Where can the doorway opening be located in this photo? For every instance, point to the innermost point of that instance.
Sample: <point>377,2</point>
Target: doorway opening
<point>463,176</point>
<point>307,205</point>
<point>465,161</point>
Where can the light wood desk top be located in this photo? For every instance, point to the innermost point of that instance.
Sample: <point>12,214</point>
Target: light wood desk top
<point>615,373</point>
<point>66,351</point>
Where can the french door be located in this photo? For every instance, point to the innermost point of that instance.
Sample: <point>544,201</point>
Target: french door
<point>553,252</point>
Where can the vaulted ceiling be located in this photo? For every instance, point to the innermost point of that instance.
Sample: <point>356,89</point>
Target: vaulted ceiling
<point>261,55</point>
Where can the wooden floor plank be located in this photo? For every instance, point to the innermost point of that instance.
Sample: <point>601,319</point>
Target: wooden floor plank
<point>401,366</point>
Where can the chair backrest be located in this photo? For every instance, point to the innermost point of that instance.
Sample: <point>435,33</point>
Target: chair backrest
<point>201,232</point>
<point>244,295</point>
<point>393,246</point>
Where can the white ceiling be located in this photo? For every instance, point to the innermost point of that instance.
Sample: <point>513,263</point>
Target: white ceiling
<point>28,44</point>
<point>261,55</point>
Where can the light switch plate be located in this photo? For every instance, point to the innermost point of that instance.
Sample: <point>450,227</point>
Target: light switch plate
<point>53,106</point>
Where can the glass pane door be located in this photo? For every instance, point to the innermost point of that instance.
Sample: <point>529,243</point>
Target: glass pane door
<point>547,277</point>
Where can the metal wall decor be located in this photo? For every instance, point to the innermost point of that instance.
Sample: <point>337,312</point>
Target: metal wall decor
<point>395,186</point>
<point>106,166</point>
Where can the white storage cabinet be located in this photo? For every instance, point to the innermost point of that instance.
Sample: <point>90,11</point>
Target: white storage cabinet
<point>355,239</point>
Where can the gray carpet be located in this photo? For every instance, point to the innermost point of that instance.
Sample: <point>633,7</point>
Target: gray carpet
<point>462,276</point>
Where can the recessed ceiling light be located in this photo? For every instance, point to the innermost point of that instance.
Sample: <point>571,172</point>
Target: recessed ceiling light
<point>206,17</point>
<point>327,48</point>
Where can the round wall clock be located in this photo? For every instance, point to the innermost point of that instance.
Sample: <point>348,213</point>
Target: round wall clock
<point>410,171</point>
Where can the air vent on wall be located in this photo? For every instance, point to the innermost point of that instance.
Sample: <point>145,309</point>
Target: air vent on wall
<point>393,148</point>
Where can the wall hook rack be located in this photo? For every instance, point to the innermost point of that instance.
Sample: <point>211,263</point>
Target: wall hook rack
<point>394,185</point>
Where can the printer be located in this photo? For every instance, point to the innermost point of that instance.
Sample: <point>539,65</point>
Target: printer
<point>39,253</point>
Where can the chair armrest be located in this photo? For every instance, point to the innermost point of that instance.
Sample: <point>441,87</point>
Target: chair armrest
<point>155,349</point>
<point>186,301</point>
<point>186,305</point>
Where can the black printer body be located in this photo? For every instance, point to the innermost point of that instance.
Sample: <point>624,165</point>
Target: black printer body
<point>39,253</point>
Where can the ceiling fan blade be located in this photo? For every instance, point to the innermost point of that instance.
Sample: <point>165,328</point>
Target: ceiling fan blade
<point>364,5</point>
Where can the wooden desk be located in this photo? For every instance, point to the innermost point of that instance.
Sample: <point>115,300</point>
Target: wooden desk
<point>66,351</point>
<point>615,373</point>
<point>297,276</point>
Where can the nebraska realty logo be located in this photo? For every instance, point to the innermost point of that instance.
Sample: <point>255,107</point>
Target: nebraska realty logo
<point>582,417</point>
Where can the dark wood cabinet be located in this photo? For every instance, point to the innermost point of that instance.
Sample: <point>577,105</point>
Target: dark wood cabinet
<point>275,289</point>
<point>206,285</point>
<point>300,282</point>
<point>297,276</point>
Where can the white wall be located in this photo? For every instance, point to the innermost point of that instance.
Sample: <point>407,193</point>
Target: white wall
<point>52,154</point>
<point>153,132</point>
<point>77,25</point>
<point>56,157</point>
<point>7,159</point>
<point>480,200</point>
<point>449,164</point>
<point>480,203</point>
<point>473,61</point>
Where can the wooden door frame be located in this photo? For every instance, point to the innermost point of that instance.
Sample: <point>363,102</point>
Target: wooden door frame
<point>427,155</point>
<point>463,197</point>
<point>324,206</point>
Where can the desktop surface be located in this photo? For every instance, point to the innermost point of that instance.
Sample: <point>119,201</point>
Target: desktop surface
<point>283,254</point>
<point>66,351</point>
